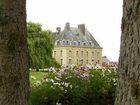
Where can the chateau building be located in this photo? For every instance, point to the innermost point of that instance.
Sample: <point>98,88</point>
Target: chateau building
<point>76,46</point>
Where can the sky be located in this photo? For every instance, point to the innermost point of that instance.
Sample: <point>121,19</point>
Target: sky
<point>101,17</point>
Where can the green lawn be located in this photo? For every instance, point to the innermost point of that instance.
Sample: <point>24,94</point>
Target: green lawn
<point>36,76</point>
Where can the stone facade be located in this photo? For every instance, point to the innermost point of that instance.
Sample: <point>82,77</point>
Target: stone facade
<point>76,46</point>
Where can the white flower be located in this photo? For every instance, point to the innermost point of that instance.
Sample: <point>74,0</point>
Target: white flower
<point>114,79</point>
<point>109,71</point>
<point>66,84</point>
<point>38,82</point>
<point>46,69</point>
<point>57,83</point>
<point>51,80</point>
<point>57,78</point>
<point>58,103</point>
<point>46,80</point>
<point>71,86</point>
<point>62,88</point>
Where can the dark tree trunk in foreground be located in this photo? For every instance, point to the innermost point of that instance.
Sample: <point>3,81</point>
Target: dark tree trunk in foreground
<point>128,90</point>
<point>14,76</point>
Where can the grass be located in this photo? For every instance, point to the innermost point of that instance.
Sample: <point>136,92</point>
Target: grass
<point>36,75</point>
<point>37,94</point>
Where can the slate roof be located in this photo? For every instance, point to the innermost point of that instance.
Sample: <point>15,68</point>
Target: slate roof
<point>74,37</point>
<point>105,59</point>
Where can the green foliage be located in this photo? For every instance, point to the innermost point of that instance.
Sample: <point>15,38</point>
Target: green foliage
<point>40,45</point>
<point>70,88</point>
<point>102,87</point>
<point>38,94</point>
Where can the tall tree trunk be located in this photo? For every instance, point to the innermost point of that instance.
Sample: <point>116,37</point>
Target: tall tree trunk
<point>14,74</point>
<point>128,90</point>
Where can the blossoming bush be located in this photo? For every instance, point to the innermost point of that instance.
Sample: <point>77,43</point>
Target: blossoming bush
<point>75,87</point>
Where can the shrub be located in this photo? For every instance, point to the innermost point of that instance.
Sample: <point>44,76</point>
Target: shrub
<point>76,87</point>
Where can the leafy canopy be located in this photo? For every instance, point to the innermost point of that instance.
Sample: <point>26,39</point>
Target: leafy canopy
<point>40,45</point>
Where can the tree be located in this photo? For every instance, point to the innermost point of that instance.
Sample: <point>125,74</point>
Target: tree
<point>14,74</point>
<point>128,89</point>
<point>40,47</point>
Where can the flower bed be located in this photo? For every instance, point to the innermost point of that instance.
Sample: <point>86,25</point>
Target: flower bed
<point>75,86</point>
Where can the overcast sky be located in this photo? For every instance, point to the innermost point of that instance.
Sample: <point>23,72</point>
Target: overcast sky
<point>101,17</point>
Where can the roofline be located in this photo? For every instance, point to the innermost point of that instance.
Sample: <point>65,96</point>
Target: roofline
<point>78,46</point>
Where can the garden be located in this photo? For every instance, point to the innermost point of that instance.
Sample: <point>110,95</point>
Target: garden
<point>73,86</point>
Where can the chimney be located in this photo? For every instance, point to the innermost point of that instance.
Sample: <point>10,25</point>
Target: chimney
<point>67,26</point>
<point>58,29</point>
<point>81,27</point>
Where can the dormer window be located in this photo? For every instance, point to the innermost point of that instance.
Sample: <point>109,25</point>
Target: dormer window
<point>74,43</point>
<point>84,43</point>
<point>67,42</point>
<point>63,42</point>
<point>90,43</point>
<point>79,43</point>
<point>77,34</point>
<point>58,42</point>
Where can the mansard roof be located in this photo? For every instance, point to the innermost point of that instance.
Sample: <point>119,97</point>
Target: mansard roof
<point>71,36</point>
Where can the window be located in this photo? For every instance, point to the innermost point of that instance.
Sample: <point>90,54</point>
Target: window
<point>58,42</point>
<point>87,53</point>
<point>61,61</point>
<point>92,54</point>
<point>82,53</point>
<point>61,53</point>
<point>77,34</point>
<point>79,43</point>
<point>75,43</point>
<point>87,61</point>
<point>63,42</point>
<point>70,61</point>
<point>77,61</point>
<point>54,53</point>
<point>67,42</point>
<point>84,44</point>
<point>98,61</point>
<point>76,53</point>
<point>82,61</point>
<point>90,43</point>
<point>70,53</point>
<point>98,53</point>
